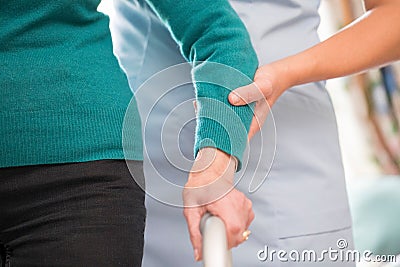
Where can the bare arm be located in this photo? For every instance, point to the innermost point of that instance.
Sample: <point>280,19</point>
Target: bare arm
<point>372,40</point>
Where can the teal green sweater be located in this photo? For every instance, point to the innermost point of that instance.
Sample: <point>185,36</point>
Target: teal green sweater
<point>64,96</point>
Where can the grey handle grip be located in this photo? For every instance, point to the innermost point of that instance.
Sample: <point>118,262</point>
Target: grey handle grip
<point>215,244</point>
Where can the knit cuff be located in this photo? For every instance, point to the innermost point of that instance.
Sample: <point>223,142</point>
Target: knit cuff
<point>222,126</point>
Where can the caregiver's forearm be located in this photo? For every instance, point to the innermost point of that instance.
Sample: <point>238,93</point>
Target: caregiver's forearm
<point>371,41</point>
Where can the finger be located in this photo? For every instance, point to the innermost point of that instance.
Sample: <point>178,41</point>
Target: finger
<point>254,128</point>
<point>260,113</point>
<point>195,106</point>
<point>193,217</point>
<point>245,95</point>
<point>251,214</point>
<point>233,221</point>
<point>234,234</point>
<point>235,226</point>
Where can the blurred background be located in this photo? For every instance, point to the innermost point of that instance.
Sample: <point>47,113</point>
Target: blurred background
<point>367,107</point>
<point>368,115</point>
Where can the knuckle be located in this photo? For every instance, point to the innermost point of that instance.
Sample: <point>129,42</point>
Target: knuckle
<point>249,204</point>
<point>235,229</point>
<point>252,216</point>
<point>236,242</point>
<point>233,242</point>
<point>240,194</point>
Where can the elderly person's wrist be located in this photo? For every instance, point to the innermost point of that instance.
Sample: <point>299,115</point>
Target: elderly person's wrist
<point>211,159</point>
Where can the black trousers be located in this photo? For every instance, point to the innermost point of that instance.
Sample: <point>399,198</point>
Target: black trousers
<point>80,214</point>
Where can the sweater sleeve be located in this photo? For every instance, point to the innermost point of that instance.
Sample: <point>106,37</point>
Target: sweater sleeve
<point>213,38</point>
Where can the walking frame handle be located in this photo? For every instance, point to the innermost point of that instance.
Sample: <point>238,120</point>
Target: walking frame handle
<point>215,243</point>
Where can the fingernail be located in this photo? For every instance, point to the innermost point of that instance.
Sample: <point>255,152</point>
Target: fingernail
<point>234,98</point>
<point>196,255</point>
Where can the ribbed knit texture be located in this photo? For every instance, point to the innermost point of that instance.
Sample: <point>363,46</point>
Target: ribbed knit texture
<point>209,31</point>
<point>64,96</point>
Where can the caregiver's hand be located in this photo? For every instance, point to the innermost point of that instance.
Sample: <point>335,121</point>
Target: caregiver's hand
<point>270,81</point>
<point>210,189</point>
<point>370,41</point>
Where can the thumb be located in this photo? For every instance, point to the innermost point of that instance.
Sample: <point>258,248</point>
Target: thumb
<point>245,95</point>
<point>195,106</point>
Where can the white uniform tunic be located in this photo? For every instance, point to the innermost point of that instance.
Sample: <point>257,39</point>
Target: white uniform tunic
<point>302,205</point>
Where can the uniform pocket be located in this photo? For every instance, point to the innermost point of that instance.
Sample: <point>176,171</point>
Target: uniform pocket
<point>312,223</point>
<point>310,250</point>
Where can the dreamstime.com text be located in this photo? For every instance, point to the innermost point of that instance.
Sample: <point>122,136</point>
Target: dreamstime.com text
<point>341,253</point>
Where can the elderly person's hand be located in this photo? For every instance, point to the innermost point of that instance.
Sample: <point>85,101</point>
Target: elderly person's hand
<point>210,189</point>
